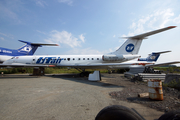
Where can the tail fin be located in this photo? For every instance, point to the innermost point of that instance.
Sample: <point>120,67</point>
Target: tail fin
<point>132,45</point>
<point>153,56</point>
<point>30,48</point>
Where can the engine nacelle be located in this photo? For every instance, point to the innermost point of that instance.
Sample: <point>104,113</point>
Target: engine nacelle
<point>112,57</point>
<point>119,57</point>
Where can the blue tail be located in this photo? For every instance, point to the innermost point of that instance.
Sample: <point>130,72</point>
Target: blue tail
<point>152,57</point>
<point>28,49</point>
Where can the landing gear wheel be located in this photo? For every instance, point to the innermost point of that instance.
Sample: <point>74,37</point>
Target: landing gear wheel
<point>173,115</point>
<point>109,71</point>
<point>84,74</point>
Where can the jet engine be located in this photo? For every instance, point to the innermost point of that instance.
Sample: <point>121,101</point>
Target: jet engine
<point>119,57</point>
<point>112,57</point>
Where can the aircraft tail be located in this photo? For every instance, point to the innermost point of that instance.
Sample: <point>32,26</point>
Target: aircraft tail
<point>132,44</point>
<point>30,48</point>
<point>153,57</point>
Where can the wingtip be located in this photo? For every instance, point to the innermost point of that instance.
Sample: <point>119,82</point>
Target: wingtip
<point>172,26</point>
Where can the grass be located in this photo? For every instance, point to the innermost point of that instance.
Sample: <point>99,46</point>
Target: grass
<point>54,70</point>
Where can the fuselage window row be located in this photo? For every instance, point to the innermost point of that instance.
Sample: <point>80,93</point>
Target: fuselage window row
<point>79,59</point>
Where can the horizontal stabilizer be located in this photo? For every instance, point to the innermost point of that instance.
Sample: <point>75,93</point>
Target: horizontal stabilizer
<point>144,35</point>
<point>161,52</point>
<point>38,44</point>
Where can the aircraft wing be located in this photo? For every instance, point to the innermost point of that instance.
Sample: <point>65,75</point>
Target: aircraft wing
<point>94,65</point>
<point>162,64</point>
<point>25,65</point>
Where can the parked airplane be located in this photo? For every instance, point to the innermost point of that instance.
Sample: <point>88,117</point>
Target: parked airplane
<point>126,52</point>
<point>150,61</point>
<point>28,49</point>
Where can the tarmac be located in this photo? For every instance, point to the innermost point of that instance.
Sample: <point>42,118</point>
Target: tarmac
<point>59,97</point>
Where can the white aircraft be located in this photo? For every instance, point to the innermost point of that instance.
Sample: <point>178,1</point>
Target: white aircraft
<point>150,61</point>
<point>128,51</point>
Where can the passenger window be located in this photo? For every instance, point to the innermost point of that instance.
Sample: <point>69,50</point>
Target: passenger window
<point>83,58</point>
<point>33,59</point>
<point>73,58</point>
<point>64,58</point>
<point>92,58</point>
<point>97,58</point>
<point>68,59</point>
<point>79,58</point>
<point>87,58</point>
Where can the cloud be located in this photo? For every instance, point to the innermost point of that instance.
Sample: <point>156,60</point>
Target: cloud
<point>155,20</point>
<point>5,35</point>
<point>40,32</point>
<point>1,38</point>
<point>86,51</point>
<point>177,20</point>
<point>81,37</point>
<point>69,2</point>
<point>41,3</point>
<point>8,10</point>
<point>65,38</point>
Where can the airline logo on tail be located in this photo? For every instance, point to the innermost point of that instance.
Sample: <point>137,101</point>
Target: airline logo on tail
<point>152,57</point>
<point>27,48</point>
<point>130,47</point>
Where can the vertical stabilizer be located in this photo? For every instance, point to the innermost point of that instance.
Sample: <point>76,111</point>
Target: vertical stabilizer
<point>132,45</point>
<point>27,49</point>
<point>30,48</point>
<point>153,57</point>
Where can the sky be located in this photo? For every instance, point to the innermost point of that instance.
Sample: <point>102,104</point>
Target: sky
<point>90,26</point>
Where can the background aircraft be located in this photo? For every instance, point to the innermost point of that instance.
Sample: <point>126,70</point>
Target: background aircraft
<point>150,61</point>
<point>28,49</point>
<point>126,52</point>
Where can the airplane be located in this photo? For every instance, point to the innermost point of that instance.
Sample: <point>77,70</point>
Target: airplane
<point>146,63</point>
<point>28,49</point>
<point>150,61</point>
<point>128,51</point>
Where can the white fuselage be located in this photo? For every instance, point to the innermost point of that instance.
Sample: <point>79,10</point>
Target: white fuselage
<point>77,61</point>
<point>4,58</point>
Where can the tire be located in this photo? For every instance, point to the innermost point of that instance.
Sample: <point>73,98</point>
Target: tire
<point>117,112</point>
<point>172,115</point>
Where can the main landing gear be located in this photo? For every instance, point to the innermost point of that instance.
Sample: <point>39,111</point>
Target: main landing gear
<point>38,71</point>
<point>83,72</point>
